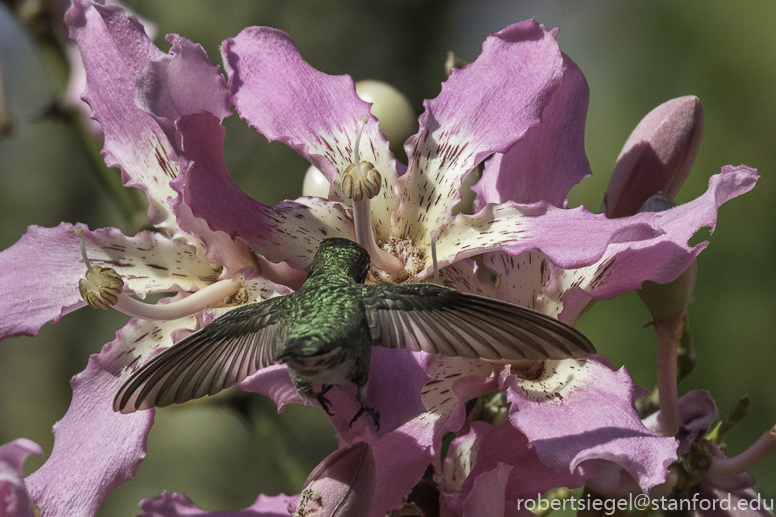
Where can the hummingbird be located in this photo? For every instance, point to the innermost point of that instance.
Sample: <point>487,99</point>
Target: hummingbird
<point>325,332</point>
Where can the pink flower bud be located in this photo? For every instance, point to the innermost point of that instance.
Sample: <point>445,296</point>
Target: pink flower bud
<point>657,156</point>
<point>342,485</point>
<point>14,500</point>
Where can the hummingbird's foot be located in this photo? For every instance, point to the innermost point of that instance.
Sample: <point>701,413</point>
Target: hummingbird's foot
<point>369,411</point>
<point>322,400</point>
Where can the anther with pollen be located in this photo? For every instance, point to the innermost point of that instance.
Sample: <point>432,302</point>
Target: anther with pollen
<point>101,286</point>
<point>360,181</point>
<point>102,289</point>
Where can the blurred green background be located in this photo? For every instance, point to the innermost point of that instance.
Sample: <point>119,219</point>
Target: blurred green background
<point>635,55</point>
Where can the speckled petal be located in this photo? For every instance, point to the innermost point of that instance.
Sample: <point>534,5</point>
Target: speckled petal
<point>550,158</point>
<point>95,448</point>
<point>114,48</point>
<point>39,274</point>
<point>625,265</point>
<point>257,289</point>
<point>521,278</point>
<point>605,256</point>
<point>579,412</point>
<point>14,499</point>
<point>287,232</point>
<point>172,504</point>
<point>482,109</point>
<point>463,276</point>
<point>284,98</point>
<point>181,83</point>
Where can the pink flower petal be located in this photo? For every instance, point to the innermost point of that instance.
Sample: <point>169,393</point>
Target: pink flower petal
<point>403,455</point>
<point>114,48</point>
<point>29,300</point>
<point>550,158</point>
<point>602,257</point>
<point>395,382</point>
<point>275,383</point>
<point>284,98</point>
<point>288,232</point>
<point>402,449</point>
<point>482,109</point>
<point>487,496</point>
<point>95,448</point>
<point>396,378</point>
<point>181,83</point>
<point>171,504</point>
<point>624,266</point>
<point>198,149</point>
<point>342,485</point>
<point>39,274</point>
<point>581,411</point>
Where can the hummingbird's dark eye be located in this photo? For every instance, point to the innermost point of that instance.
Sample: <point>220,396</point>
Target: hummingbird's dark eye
<point>360,268</point>
<point>365,267</point>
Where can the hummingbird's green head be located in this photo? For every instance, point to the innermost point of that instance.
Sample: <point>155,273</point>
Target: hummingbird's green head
<point>341,256</point>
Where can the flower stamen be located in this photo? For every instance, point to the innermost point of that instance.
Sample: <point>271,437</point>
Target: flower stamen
<point>361,182</point>
<point>101,286</point>
<point>102,289</point>
<point>434,236</point>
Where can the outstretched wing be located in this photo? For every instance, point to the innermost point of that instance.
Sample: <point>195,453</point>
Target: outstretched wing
<point>224,352</point>
<point>444,321</point>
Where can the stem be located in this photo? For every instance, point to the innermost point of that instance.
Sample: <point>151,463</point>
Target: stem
<point>741,409</point>
<point>181,308</point>
<point>80,233</point>
<point>729,467</point>
<point>668,335</point>
<point>362,221</point>
<point>361,123</point>
<point>434,237</point>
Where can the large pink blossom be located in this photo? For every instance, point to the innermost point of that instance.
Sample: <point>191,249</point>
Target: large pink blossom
<point>522,100</point>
